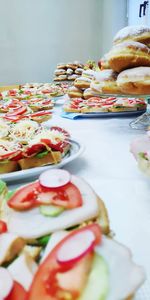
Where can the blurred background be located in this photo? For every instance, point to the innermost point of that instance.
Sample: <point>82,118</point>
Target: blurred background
<point>35,35</point>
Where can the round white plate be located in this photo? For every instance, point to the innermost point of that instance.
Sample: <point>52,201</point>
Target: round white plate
<point>75,151</point>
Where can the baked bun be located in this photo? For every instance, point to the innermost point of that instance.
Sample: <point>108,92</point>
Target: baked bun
<point>88,93</point>
<point>82,82</point>
<point>105,82</point>
<point>74,92</point>
<point>139,33</point>
<point>135,81</point>
<point>52,157</point>
<point>127,55</point>
<point>58,72</point>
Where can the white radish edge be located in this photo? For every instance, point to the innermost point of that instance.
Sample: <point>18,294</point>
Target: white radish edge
<point>76,246</point>
<point>54,178</point>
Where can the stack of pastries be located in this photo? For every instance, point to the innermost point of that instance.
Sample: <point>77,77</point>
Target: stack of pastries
<point>126,67</point>
<point>68,71</point>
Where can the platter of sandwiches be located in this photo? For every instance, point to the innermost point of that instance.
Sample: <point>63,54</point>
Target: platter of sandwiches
<point>104,107</point>
<point>57,244</point>
<point>27,148</point>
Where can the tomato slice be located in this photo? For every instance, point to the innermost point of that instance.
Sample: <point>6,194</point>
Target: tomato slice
<point>12,92</point>
<point>3,227</point>
<point>66,133</point>
<point>11,155</point>
<point>58,147</point>
<point>45,284</point>
<point>34,149</point>
<point>40,113</point>
<point>14,118</point>
<point>33,195</point>
<point>17,292</point>
<point>18,111</point>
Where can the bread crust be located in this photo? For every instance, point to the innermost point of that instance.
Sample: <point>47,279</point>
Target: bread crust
<point>8,167</point>
<point>32,162</point>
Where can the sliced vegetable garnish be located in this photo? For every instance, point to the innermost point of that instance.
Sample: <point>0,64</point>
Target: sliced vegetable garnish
<point>43,240</point>
<point>76,247</point>
<point>49,277</point>
<point>16,112</point>
<point>66,133</point>
<point>54,178</point>
<point>17,292</point>
<point>3,227</point>
<point>34,194</point>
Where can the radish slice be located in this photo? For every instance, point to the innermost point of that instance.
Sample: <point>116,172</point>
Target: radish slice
<point>76,247</point>
<point>54,178</point>
<point>6,283</point>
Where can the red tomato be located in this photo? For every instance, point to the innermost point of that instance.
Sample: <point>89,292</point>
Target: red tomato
<point>16,112</point>
<point>47,91</point>
<point>14,118</point>
<point>58,147</point>
<point>45,284</point>
<point>34,149</point>
<point>12,92</point>
<point>11,155</point>
<point>17,292</point>
<point>40,113</point>
<point>34,194</point>
<point>66,133</point>
<point>3,227</point>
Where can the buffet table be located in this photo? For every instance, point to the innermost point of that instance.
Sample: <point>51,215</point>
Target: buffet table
<point>109,167</point>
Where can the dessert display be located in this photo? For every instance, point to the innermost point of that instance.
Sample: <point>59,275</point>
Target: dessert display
<point>130,58</point>
<point>26,144</point>
<point>110,104</point>
<point>56,245</point>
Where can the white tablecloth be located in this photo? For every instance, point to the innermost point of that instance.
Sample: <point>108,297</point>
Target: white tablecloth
<point>111,170</point>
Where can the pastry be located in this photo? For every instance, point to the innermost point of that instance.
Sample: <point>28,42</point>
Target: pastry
<point>135,81</point>
<point>127,55</point>
<point>138,33</point>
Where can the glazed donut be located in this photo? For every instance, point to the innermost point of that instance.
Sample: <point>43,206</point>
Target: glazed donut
<point>78,71</point>
<point>58,72</point>
<point>72,77</point>
<point>74,92</point>
<point>82,82</point>
<point>61,66</point>
<point>71,66</point>
<point>128,55</point>
<point>88,93</point>
<point>69,71</point>
<point>135,81</point>
<point>60,78</point>
<point>105,82</point>
<point>139,33</point>
<point>88,73</point>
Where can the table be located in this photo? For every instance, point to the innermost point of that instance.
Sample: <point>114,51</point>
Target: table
<point>111,170</point>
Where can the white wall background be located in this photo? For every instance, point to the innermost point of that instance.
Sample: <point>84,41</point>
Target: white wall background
<point>37,34</point>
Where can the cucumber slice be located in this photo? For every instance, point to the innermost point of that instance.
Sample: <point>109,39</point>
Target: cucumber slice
<point>51,210</point>
<point>97,286</point>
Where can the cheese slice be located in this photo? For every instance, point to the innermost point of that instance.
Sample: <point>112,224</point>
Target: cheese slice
<point>10,246</point>
<point>32,224</point>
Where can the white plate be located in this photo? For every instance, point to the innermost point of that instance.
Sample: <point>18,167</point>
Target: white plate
<point>75,151</point>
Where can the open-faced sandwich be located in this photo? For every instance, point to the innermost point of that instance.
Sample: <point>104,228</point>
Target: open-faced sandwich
<point>57,200</point>
<point>55,244</point>
<point>27,145</point>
